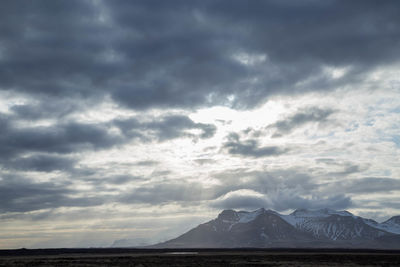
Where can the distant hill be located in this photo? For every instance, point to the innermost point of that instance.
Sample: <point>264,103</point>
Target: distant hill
<point>324,228</point>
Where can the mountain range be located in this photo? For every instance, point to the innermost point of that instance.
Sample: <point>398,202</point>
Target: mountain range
<point>323,228</point>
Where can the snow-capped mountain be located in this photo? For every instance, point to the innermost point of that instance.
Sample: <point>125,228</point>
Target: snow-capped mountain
<point>259,228</point>
<point>302,228</point>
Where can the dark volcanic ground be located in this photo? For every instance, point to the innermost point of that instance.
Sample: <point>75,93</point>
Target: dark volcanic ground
<point>203,257</point>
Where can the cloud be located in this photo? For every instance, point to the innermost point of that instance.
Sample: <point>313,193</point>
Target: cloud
<point>241,199</point>
<point>293,201</point>
<point>19,143</point>
<point>41,162</point>
<point>22,195</point>
<point>278,189</point>
<point>146,163</point>
<point>204,161</point>
<point>250,148</point>
<point>164,128</point>
<point>167,192</point>
<point>191,54</point>
<point>45,109</point>
<point>57,138</point>
<point>300,118</point>
<point>368,185</point>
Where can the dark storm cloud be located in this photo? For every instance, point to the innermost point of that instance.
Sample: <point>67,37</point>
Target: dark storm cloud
<point>301,117</point>
<point>185,54</point>
<point>164,128</point>
<point>250,148</point>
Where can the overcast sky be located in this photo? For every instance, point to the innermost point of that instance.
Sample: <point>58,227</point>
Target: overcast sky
<point>140,119</point>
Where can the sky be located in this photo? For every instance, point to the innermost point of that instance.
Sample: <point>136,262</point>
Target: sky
<point>139,120</point>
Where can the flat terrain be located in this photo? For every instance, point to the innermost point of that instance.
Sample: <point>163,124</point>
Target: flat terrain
<point>203,257</point>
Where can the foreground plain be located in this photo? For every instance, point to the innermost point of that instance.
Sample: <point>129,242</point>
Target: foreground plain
<point>202,257</point>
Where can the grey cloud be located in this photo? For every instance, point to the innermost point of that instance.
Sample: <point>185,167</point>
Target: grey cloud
<point>164,128</point>
<point>59,138</point>
<point>102,181</point>
<point>370,185</point>
<point>300,118</point>
<point>22,195</point>
<point>33,216</point>
<point>167,192</point>
<point>41,162</point>
<point>147,163</point>
<point>281,201</point>
<point>327,161</point>
<point>266,182</point>
<point>17,143</point>
<point>204,161</point>
<point>349,169</point>
<point>251,148</point>
<point>45,108</point>
<point>148,54</point>
<point>279,189</point>
<point>292,201</point>
<point>346,167</point>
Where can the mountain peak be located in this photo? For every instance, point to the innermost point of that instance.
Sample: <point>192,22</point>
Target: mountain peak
<point>229,215</point>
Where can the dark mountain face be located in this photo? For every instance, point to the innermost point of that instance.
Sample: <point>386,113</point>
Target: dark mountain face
<point>302,228</point>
